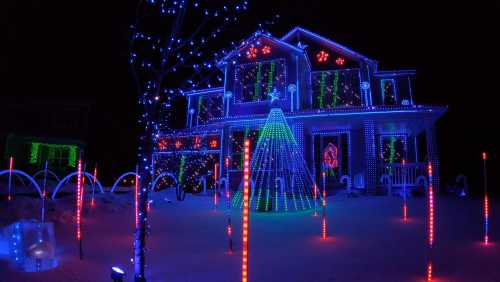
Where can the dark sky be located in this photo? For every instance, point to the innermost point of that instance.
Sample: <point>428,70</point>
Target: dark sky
<point>78,51</point>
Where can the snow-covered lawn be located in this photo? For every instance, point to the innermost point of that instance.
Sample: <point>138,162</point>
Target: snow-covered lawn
<point>367,241</point>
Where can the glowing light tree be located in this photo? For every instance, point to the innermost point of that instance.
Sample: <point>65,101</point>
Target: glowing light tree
<point>169,54</point>
<point>486,203</point>
<point>246,208</point>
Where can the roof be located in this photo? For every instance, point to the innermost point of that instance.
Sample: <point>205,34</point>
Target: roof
<point>254,37</point>
<point>325,41</point>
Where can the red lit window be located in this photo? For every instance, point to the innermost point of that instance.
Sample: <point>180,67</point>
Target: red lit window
<point>162,144</point>
<point>266,50</point>
<point>178,144</point>
<point>197,142</point>
<point>322,56</point>
<point>252,53</point>
<point>214,144</point>
<point>340,61</point>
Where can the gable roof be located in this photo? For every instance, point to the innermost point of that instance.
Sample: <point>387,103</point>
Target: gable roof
<point>253,38</point>
<point>324,41</point>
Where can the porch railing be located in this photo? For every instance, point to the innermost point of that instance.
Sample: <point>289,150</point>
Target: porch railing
<point>396,172</point>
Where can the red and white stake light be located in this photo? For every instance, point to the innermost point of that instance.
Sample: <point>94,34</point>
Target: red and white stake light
<point>486,203</point>
<point>430,223</point>
<point>11,168</point>
<point>229,226</point>
<point>405,204</point>
<point>92,202</point>
<point>323,216</point>
<point>246,214</point>
<point>315,194</point>
<point>216,179</point>
<point>136,197</point>
<point>431,207</point>
<point>79,193</point>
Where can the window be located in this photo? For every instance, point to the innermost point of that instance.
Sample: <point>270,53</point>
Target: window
<point>336,88</point>
<point>393,148</point>
<point>254,81</point>
<point>388,88</point>
<point>209,107</point>
<point>237,141</point>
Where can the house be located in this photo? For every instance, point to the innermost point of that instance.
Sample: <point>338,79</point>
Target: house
<point>351,122</point>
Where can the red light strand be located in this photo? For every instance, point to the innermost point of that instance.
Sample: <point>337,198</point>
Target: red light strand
<point>431,207</point>
<point>246,214</point>
<point>79,201</point>
<point>136,197</point>
<point>486,201</point>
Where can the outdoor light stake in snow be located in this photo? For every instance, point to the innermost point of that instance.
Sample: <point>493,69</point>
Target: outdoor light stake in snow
<point>79,206</point>
<point>92,202</point>
<point>216,179</point>
<point>430,223</point>
<point>486,204</point>
<point>44,189</point>
<point>246,215</point>
<point>431,207</point>
<point>11,167</point>
<point>136,196</point>
<point>405,205</point>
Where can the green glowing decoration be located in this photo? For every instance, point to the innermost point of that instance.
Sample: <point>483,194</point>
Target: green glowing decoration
<point>52,153</point>
<point>258,79</point>
<point>322,87</point>
<point>335,88</point>
<point>34,152</point>
<point>280,178</point>
<point>181,169</point>
<point>270,78</point>
<point>73,152</point>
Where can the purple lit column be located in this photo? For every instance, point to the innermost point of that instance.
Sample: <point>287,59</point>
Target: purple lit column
<point>370,157</point>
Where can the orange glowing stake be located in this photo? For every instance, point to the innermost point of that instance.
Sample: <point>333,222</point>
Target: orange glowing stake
<point>246,214</point>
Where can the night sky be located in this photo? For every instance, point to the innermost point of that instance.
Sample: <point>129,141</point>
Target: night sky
<point>77,52</point>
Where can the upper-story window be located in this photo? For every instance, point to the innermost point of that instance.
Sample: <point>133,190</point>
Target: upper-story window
<point>388,89</point>
<point>254,81</point>
<point>336,88</point>
<point>208,107</point>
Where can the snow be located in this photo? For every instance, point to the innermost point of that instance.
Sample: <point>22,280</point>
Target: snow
<point>367,241</point>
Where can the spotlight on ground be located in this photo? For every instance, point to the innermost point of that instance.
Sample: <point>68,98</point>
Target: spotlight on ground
<point>117,274</point>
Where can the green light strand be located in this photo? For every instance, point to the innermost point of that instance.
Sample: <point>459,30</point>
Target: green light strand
<point>271,78</point>
<point>181,169</point>
<point>72,156</point>
<point>392,152</point>
<point>34,152</point>
<point>258,80</point>
<point>322,87</point>
<point>335,89</point>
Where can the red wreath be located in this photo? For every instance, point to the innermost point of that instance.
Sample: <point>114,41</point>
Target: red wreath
<point>330,156</point>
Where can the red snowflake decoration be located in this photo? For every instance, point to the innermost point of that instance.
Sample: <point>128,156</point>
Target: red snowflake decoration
<point>322,56</point>
<point>266,50</point>
<point>197,142</point>
<point>340,61</point>
<point>252,53</point>
<point>178,144</point>
<point>162,145</point>
<point>213,144</point>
